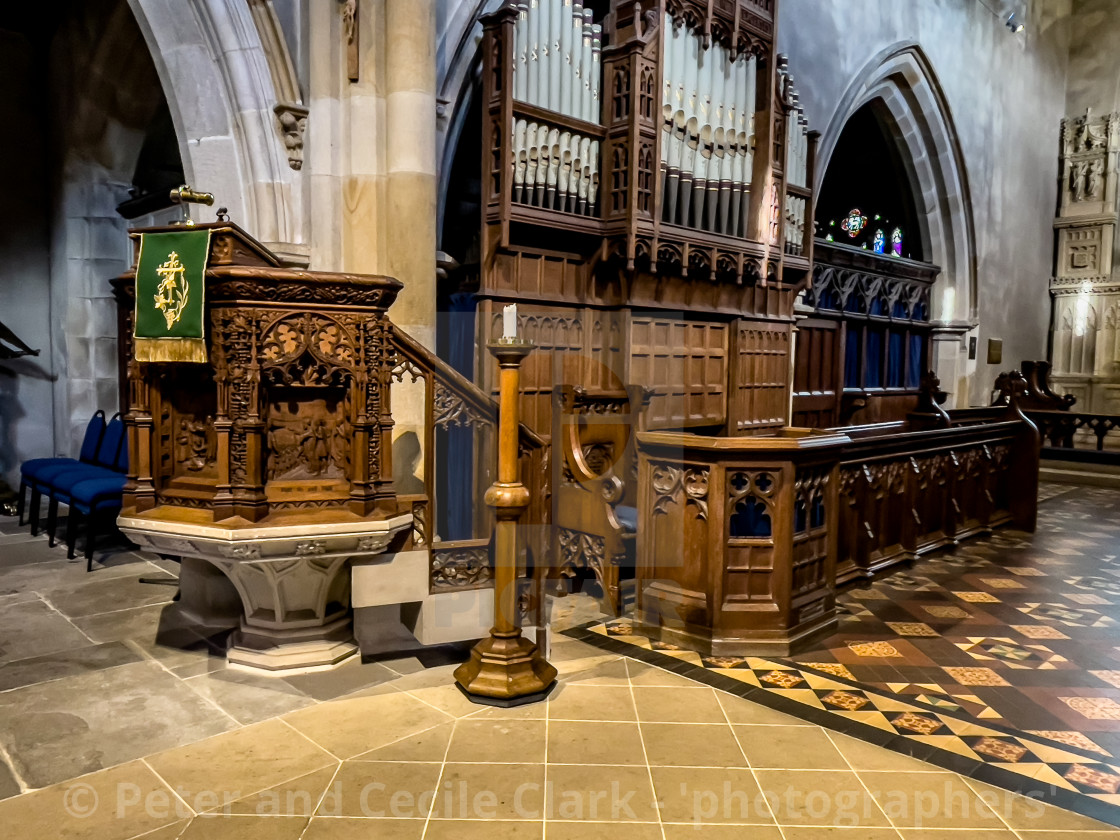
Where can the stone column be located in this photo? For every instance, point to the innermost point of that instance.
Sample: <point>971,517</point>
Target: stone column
<point>410,209</point>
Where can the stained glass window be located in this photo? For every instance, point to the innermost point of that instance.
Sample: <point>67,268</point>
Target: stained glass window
<point>854,223</point>
<point>896,242</point>
<point>879,244</point>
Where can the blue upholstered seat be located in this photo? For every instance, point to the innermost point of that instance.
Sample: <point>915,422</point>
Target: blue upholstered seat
<point>37,467</point>
<point>110,464</point>
<point>627,517</point>
<point>95,500</point>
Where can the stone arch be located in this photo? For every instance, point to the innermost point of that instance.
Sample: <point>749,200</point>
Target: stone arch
<point>459,66</point>
<point>903,86</point>
<point>224,71</point>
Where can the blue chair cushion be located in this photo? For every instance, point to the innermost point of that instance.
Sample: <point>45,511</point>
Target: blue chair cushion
<point>98,494</point>
<point>61,485</point>
<point>627,517</point>
<point>47,476</point>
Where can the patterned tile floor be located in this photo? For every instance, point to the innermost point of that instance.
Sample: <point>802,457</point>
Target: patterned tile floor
<point>999,660</point>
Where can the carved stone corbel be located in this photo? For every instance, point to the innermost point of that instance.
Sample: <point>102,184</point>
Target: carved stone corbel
<point>291,120</point>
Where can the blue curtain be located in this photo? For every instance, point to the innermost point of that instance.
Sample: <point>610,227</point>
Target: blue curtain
<point>456,457</point>
<point>874,360</point>
<point>750,519</point>
<point>852,351</point>
<point>818,511</point>
<point>917,362</point>
<point>800,517</point>
<point>896,358</point>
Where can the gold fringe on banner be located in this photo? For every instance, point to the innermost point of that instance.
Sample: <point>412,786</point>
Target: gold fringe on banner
<point>170,349</point>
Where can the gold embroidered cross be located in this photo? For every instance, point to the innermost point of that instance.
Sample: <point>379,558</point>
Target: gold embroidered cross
<point>173,290</point>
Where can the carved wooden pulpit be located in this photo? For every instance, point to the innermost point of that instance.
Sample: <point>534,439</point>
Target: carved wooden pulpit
<point>270,464</point>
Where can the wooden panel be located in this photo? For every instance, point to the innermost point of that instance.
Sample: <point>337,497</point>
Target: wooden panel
<point>762,568</point>
<point>685,363</point>
<point>816,379</point>
<point>762,376</point>
<point>527,273</point>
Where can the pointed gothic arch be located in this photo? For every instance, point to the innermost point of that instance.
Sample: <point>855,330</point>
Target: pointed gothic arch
<point>224,70</point>
<point>907,95</point>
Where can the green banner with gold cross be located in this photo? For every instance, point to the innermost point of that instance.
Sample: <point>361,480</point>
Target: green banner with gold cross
<point>169,325</point>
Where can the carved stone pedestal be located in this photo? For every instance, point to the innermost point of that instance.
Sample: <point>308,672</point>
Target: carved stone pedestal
<point>293,581</point>
<point>319,646</point>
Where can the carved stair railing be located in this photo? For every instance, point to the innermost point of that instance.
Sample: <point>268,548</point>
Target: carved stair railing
<point>452,400</point>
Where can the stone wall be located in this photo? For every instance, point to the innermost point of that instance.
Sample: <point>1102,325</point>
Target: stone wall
<point>360,154</point>
<point>25,386</point>
<point>1094,62</point>
<point>1003,96</point>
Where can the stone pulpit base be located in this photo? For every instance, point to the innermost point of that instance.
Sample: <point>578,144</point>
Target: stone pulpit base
<point>293,582</point>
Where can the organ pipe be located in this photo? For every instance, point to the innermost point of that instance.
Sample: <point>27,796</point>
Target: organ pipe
<point>707,132</point>
<point>558,67</point>
<point>709,97</point>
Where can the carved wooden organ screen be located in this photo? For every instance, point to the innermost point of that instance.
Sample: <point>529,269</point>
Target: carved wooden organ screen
<point>654,153</point>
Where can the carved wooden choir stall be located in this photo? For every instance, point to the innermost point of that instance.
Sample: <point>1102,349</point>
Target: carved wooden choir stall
<point>268,465</point>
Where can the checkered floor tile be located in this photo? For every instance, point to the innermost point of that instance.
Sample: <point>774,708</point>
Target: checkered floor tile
<point>1000,659</point>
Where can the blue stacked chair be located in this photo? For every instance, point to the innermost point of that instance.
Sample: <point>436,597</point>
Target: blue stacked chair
<point>60,484</point>
<point>97,501</point>
<point>30,471</point>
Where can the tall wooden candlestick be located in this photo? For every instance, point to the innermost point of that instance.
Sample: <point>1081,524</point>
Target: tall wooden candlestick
<point>506,669</point>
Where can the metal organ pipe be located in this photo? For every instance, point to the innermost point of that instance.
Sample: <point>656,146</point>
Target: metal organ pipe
<point>796,166</point>
<point>595,113</point>
<point>552,57</point>
<point>672,111</point>
<point>725,138</point>
<point>689,125</point>
<point>532,41</point>
<point>567,89</point>
<point>521,53</point>
<point>557,67</point>
<point>585,68</point>
<point>708,129</point>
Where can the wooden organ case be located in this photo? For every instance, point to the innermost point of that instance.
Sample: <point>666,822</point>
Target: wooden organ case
<point>646,202</point>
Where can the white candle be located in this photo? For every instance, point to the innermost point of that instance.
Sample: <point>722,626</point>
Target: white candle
<point>509,321</point>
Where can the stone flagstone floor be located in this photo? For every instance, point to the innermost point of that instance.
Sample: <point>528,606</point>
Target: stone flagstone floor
<point>106,733</point>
